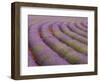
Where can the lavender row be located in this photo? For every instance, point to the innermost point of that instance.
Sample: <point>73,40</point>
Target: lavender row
<point>72,27</point>
<point>31,60</point>
<point>78,25</point>
<point>84,24</point>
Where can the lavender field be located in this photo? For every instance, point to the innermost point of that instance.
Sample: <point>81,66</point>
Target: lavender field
<point>57,40</point>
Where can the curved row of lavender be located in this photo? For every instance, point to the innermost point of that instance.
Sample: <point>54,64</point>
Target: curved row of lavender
<point>31,62</point>
<point>78,25</point>
<point>58,43</point>
<point>76,30</point>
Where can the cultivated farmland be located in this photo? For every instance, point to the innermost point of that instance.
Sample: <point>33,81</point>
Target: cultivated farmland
<point>57,40</point>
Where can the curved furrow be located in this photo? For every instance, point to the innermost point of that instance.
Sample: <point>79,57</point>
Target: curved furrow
<point>72,34</point>
<point>84,24</point>
<point>44,55</point>
<point>80,47</point>
<point>76,30</point>
<point>31,61</point>
<point>63,50</point>
<point>78,25</point>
